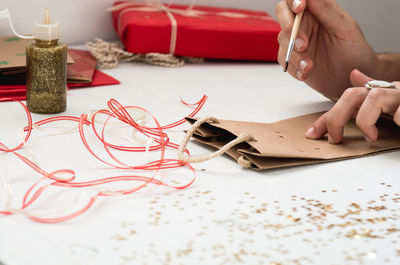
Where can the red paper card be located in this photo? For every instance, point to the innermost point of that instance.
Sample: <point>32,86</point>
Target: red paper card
<point>99,79</point>
<point>19,91</point>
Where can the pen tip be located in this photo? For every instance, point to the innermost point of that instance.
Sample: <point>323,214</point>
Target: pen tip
<point>286,66</point>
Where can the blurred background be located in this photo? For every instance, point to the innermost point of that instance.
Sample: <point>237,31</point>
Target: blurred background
<point>82,21</point>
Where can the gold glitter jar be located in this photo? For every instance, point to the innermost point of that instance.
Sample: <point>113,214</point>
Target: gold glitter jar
<point>46,61</point>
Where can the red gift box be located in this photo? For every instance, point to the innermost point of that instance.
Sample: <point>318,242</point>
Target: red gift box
<point>208,32</point>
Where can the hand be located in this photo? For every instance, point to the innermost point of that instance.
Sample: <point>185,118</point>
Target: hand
<point>363,104</point>
<point>329,46</point>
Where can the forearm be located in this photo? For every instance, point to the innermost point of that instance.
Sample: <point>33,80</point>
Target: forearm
<point>389,67</point>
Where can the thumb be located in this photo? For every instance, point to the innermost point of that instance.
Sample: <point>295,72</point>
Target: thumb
<point>358,79</point>
<point>330,15</point>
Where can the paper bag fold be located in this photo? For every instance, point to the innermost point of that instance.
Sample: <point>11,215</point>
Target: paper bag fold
<point>283,144</point>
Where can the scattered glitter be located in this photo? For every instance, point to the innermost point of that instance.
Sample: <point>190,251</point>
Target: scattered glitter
<point>356,235</point>
<point>291,218</point>
<point>315,223</point>
<point>119,237</point>
<point>392,230</point>
<point>377,208</point>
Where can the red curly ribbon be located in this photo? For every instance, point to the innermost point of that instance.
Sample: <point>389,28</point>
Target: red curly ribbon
<point>115,111</point>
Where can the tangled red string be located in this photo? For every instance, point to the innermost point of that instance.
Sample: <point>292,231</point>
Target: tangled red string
<point>67,178</point>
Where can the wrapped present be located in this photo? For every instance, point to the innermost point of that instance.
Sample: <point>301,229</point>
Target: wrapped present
<point>200,31</point>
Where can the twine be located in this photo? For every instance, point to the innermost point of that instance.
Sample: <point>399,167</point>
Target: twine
<point>240,139</point>
<point>244,162</point>
<point>109,55</point>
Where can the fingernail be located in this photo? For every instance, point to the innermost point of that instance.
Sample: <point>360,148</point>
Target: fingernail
<point>330,139</point>
<point>368,139</point>
<point>310,132</point>
<point>299,43</point>
<point>299,75</point>
<point>303,64</point>
<point>296,4</point>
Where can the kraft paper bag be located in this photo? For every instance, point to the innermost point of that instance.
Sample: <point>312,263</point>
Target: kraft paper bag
<point>84,66</point>
<point>12,54</point>
<point>283,144</point>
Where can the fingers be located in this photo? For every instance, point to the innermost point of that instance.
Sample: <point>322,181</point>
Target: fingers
<point>342,112</point>
<point>379,100</point>
<point>396,116</point>
<point>300,64</point>
<point>334,120</point>
<point>286,18</point>
<point>318,129</point>
<point>368,105</point>
<point>296,5</point>
<point>358,79</point>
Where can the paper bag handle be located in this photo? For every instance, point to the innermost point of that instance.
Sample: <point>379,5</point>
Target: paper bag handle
<point>241,138</point>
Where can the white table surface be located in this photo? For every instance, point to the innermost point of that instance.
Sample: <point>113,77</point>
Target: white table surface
<point>348,211</point>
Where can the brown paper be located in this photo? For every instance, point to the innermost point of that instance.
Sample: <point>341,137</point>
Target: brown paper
<point>81,64</point>
<point>81,72</point>
<point>12,53</point>
<point>83,69</point>
<point>283,144</point>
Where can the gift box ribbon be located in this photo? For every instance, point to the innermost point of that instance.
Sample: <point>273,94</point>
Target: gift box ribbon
<point>158,6</point>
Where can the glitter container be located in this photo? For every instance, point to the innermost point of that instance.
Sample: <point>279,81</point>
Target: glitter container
<point>46,61</point>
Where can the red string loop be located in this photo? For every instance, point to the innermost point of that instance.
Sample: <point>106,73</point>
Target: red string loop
<point>66,178</point>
